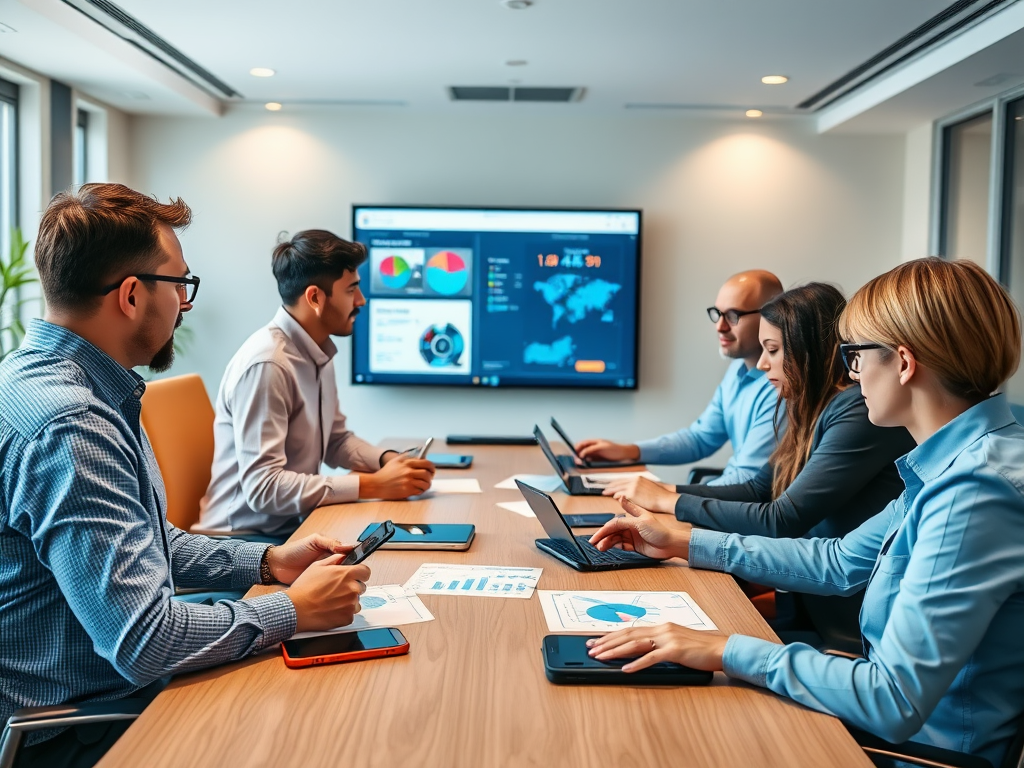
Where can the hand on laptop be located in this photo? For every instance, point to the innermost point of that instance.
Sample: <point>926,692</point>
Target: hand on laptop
<point>400,478</point>
<point>606,450</point>
<point>326,595</point>
<point>657,497</point>
<point>640,531</point>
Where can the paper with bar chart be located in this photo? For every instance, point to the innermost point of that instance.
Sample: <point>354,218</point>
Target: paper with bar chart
<point>595,613</point>
<point>390,605</point>
<point>474,580</point>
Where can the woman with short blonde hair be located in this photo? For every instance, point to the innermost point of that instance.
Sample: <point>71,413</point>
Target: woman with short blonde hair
<point>942,567</point>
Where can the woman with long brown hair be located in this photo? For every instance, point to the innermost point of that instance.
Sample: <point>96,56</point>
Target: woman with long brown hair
<point>832,469</point>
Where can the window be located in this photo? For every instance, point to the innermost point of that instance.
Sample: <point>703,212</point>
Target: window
<point>8,163</point>
<point>1012,257</point>
<point>965,184</point>
<point>81,169</point>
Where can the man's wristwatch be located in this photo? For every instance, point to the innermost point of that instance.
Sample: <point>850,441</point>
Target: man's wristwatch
<point>266,577</point>
<point>381,459</point>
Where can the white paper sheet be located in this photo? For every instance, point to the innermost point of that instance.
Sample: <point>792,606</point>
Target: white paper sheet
<point>474,580</point>
<point>596,613</point>
<point>540,482</point>
<point>387,606</point>
<point>455,485</point>
<point>519,507</point>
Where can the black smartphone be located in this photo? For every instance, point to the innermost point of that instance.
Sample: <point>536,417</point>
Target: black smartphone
<point>372,542</point>
<point>344,646</point>
<point>450,460</point>
<point>566,661</point>
<point>587,521</point>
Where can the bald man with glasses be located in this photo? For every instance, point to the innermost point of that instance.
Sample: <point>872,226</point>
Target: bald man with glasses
<point>742,410</point>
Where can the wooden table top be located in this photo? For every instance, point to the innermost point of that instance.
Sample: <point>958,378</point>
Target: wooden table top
<point>472,690</point>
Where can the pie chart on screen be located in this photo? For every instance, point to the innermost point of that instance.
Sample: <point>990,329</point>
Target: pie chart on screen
<point>446,273</point>
<point>395,272</point>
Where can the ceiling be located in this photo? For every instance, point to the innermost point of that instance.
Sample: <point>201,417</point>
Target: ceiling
<point>405,53</point>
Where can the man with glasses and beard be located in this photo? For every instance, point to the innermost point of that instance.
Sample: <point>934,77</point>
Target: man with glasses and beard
<point>278,418</point>
<point>88,561</point>
<point>742,411</point>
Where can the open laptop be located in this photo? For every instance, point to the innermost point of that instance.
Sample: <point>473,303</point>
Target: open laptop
<point>570,461</point>
<point>575,483</point>
<point>576,551</point>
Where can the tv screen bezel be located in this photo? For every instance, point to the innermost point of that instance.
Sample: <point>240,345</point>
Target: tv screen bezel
<point>524,208</point>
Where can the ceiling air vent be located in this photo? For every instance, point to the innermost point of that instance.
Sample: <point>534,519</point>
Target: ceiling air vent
<point>501,93</point>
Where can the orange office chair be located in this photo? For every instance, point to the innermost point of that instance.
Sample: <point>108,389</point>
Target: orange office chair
<point>178,417</point>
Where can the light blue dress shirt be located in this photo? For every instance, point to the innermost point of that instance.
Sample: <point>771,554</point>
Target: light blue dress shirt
<point>742,412</point>
<point>943,614</point>
<point>88,561</point>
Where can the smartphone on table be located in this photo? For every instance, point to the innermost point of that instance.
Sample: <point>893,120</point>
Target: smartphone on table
<point>440,536</point>
<point>383,533</point>
<point>344,646</point>
<point>567,661</point>
<point>450,460</point>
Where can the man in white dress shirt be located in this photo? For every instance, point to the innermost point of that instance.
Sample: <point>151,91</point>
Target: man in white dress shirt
<point>278,417</point>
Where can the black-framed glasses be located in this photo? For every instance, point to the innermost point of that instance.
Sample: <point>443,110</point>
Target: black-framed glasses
<point>184,284</point>
<point>851,354</point>
<point>732,316</point>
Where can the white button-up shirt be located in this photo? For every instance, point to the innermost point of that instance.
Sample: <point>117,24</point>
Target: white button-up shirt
<point>277,421</point>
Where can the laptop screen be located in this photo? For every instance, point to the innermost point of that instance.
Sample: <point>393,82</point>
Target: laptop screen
<point>561,433</point>
<point>550,517</point>
<point>548,453</point>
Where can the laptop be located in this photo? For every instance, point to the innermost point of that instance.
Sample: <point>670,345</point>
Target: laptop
<point>576,551</point>
<point>570,461</point>
<point>575,483</point>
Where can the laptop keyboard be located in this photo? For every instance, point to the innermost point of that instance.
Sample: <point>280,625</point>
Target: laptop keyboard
<point>596,555</point>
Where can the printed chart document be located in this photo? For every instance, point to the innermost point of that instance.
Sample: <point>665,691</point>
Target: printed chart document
<point>519,507</point>
<point>474,580</point>
<point>595,613</point>
<point>387,606</point>
<point>455,485</point>
<point>546,483</point>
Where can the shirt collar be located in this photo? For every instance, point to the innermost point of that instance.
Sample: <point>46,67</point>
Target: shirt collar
<point>114,383</point>
<point>742,371</point>
<point>931,458</point>
<point>295,332</point>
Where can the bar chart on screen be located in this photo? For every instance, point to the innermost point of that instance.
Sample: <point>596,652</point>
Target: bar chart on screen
<point>474,580</point>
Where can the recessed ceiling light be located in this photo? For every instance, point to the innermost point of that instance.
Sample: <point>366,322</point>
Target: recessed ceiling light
<point>774,79</point>
<point>750,112</point>
<point>262,72</point>
<point>273,106</point>
<point>517,5</point>
<point>516,63</point>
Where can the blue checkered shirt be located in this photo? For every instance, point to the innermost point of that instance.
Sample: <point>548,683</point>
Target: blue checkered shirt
<point>88,561</point>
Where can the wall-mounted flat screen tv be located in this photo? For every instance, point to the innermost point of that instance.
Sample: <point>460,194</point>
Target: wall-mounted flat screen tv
<point>498,297</point>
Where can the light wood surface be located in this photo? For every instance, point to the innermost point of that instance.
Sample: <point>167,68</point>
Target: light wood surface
<point>472,691</point>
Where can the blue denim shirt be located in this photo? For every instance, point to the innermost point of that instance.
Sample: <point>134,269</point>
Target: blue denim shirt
<point>88,561</point>
<point>943,614</point>
<point>742,412</point>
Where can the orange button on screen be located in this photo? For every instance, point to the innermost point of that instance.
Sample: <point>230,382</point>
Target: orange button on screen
<point>590,366</point>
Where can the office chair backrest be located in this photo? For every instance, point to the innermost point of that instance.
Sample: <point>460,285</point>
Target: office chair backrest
<point>178,417</point>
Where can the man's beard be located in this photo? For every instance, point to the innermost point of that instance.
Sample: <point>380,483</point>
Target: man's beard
<point>164,358</point>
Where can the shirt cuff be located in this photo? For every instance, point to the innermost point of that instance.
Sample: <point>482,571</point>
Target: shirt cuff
<point>245,564</point>
<point>707,549</point>
<point>277,617</point>
<point>748,658</point>
<point>341,489</point>
<point>649,452</point>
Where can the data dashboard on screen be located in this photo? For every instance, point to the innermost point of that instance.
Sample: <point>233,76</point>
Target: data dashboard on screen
<point>498,297</point>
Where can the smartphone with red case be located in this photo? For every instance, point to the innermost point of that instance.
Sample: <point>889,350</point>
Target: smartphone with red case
<point>344,646</point>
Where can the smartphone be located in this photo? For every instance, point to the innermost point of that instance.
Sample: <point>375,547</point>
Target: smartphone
<point>420,452</point>
<point>450,460</point>
<point>373,542</point>
<point>447,536</point>
<point>344,646</point>
<point>587,521</point>
<point>566,661</point>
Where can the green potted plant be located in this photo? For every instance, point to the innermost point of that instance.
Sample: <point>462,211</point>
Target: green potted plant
<point>15,273</point>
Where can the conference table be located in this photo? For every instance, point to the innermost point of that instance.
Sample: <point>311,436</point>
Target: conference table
<point>472,690</point>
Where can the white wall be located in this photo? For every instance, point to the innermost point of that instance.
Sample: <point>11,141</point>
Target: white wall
<point>718,197</point>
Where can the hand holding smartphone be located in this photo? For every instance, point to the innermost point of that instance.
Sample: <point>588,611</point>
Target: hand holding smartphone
<point>370,544</point>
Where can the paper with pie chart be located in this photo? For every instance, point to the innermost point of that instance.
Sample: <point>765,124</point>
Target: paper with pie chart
<point>386,606</point>
<point>595,613</point>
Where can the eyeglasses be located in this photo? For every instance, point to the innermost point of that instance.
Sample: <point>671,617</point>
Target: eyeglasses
<point>183,284</point>
<point>732,316</point>
<point>851,354</point>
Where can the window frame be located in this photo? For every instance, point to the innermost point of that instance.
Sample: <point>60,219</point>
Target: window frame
<point>9,94</point>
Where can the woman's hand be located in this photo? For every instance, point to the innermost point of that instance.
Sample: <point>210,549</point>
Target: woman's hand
<point>666,642</point>
<point>640,531</point>
<point>657,497</point>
